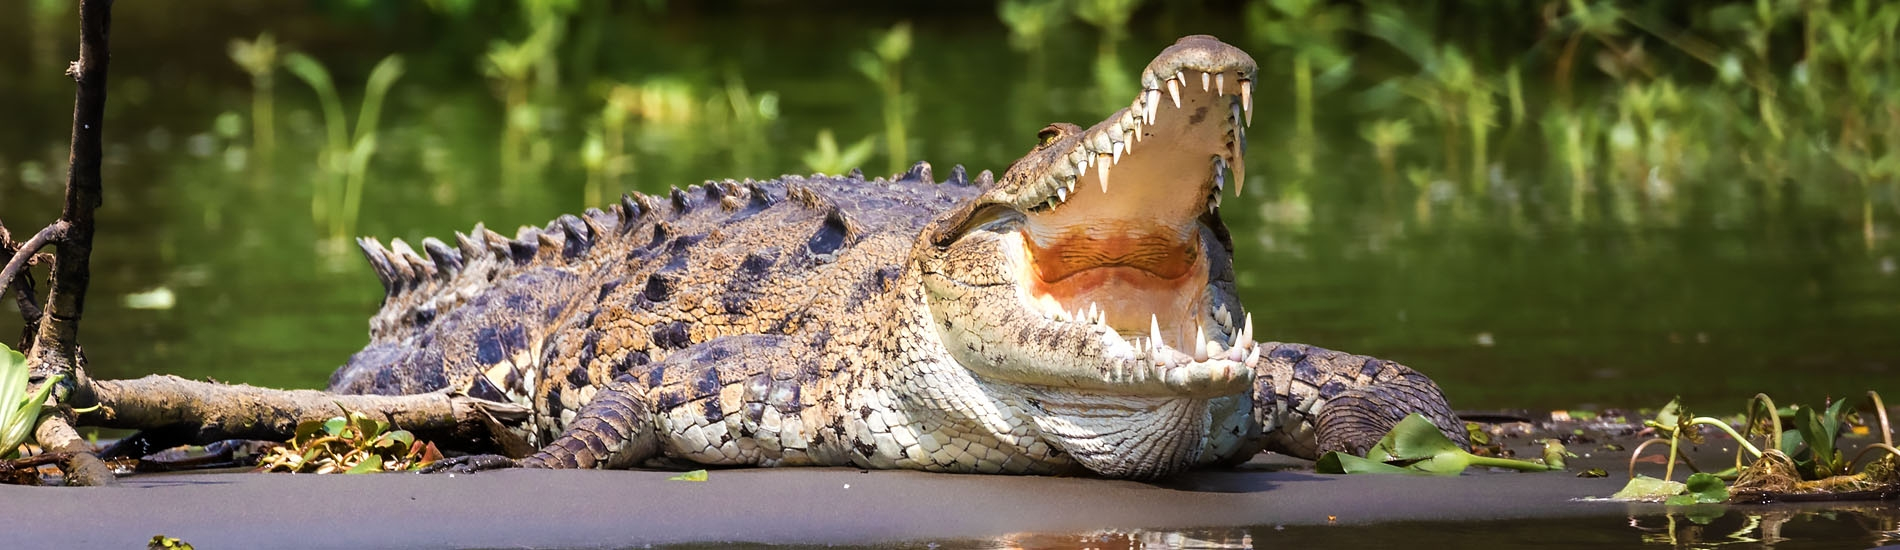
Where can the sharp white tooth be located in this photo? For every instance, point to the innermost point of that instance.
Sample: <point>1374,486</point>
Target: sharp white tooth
<point>1220,175</point>
<point>1204,82</point>
<point>1128,139</point>
<point>1062,195</point>
<point>1154,331</point>
<point>1119,146</point>
<point>1181,76</point>
<point>1081,168</point>
<point>1071,185</point>
<point>1247,331</point>
<point>1092,310</point>
<point>1174,92</point>
<point>1238,165</point>
<point>1246,99</point>
<point>1220,84</point>
<point>1152,99</point>
<point>1102,162</point>
<point>1200,342</point>
<point>1253,356</point>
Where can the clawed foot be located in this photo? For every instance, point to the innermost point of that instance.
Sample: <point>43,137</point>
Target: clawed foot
<point>469,464</point>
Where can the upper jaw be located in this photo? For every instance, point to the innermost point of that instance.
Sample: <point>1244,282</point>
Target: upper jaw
<point>1197,79</point>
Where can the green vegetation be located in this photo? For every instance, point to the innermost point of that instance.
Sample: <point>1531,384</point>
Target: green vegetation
<point>827,158</point>
<point>884,66</point>
<point>1806,460</point>
<point>1415,446</point>
<point>351,444</point>
<point>259,58</point>
<point>337,197</point>
<point>19,409</point>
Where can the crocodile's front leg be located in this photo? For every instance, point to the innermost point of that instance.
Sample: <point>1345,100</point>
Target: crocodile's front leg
<point>1309,400</point>
<point>671,406</point>
<point>615,430</point>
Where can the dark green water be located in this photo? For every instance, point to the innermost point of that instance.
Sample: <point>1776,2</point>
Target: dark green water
<point>1731,287</point>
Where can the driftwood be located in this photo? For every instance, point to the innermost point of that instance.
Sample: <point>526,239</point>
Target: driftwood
<point>204,412</point>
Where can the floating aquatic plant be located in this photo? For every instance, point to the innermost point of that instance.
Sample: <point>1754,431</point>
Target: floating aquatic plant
<point>1415,446</point>
<point>354,444</point>
<point>1804,461</point>
<point>19,409</point>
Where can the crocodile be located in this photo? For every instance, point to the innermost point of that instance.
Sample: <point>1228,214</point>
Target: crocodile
<point>1077,315</point>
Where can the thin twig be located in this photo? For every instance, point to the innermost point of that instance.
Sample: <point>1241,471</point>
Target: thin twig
<point>24,255</point>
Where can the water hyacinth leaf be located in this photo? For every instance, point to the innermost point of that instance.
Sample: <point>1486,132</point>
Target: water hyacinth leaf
<point>366,427</point>
<point>1417,444</point>
<point>334,426</point>
<point>1335,462</point>
<point>399,439</point>
<point>1669,416</point>
<point>370,464</point>
<point>17,409</point>
<point>1647,488</point>
<point>695,475</point>
<point>1705,488</point>
<point>1554,454</point>
<point>307,431</point>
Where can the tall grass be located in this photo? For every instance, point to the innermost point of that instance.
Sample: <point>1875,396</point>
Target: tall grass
<point>337,196</point>
<point>884,65</point>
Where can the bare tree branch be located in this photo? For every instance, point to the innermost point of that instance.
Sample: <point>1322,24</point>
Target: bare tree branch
<point>24,254</point>
<point>214,411</point>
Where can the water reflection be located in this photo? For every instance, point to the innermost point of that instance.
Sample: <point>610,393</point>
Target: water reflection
<point>1837,526</point>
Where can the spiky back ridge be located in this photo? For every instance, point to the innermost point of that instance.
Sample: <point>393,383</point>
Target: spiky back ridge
<point>421,287</point>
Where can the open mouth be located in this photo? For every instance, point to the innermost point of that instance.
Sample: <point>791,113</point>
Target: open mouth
<point>1116,226</point>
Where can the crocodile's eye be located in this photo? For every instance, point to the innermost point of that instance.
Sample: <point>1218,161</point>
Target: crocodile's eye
<point>1048,136</point>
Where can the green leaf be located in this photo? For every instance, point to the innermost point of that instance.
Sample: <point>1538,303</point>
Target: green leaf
<point>1554,454</point>
<point>370,464</point>
<point>402,438</point>
<point>1648,488</point>
<point>1669,416</point>
<point>1416,443</point>
<point>334,426</point>
<point>14,420</point>
<point>1594,473</point>
<point>306,431</point>
<point>695,475</point>
<point>1705,488</point>
<point>1813,429</point>
<point>367,429</point>
<point>1335,462</point>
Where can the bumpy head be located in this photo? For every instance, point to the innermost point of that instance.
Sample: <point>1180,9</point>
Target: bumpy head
<point>1099,261</point>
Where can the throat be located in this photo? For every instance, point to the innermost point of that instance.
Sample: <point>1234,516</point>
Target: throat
<point>1126,437</point>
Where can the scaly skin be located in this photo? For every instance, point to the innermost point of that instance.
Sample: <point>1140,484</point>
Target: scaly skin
<point>1011,326</point>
